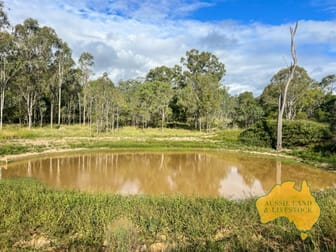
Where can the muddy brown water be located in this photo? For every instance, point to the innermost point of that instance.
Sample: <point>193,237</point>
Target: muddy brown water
<point>215,174</point>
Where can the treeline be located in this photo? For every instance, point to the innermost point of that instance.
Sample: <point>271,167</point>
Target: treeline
<point>40,83</point>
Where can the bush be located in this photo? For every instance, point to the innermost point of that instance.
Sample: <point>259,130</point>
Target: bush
<point>294,133</point>
<point>258,135</point>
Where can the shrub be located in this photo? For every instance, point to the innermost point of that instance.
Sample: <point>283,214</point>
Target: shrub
<point>294,133</point>
<point>258,135</point>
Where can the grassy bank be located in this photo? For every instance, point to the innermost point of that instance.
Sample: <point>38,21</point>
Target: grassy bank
<point>17,140</point>
<point>32,216</point>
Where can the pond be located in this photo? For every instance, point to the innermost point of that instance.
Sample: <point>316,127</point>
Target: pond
<point>211,174</point>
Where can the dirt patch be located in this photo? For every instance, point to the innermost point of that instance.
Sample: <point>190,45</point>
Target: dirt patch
<point>37,242</point>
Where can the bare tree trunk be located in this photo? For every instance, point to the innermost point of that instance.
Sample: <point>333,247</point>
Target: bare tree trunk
<point>30,116</point>
<point>282,98</point>
<point>279,129</point>
<point>30,105</point>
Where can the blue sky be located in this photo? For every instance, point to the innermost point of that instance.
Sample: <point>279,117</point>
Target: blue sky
<point>251,37</point>
<point>266,11</point>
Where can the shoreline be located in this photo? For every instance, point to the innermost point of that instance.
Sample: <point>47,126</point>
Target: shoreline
<point>5,159</point>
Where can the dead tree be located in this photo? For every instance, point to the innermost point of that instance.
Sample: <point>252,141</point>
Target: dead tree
<point>283,95</point>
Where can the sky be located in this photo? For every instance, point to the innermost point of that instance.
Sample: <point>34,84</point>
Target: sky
<point>251,37</point>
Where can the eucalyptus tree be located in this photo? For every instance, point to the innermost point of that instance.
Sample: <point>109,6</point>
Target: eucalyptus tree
<point>9,66</point>
<point>4,22</point>
<point>86,62</point>
<point>64,63</point>
<point>328,83</point>
<point>51,48</point>
<point>162,73</point>
<point>100,95</point>
<point>71,89</point>
<point>297,93</point>
<point>31,47</point>
<point>128,92</point>
<point>227,107</point>
<point>184,105</point>
<point>163,79</point>
<point>247,111</point>
<point>147,102</point>
<point>204,72</point>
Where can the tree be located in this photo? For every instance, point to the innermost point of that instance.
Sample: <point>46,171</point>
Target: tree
<point>29,40</point>
<point>128,91</point>
<point>227,107</point>
<point>283,95</point>
<point>86,62</point>
<point>328,83</point>
<point>162,73</point>
<point>104,103</point>
<point>9,66</point>
<point>146,102</point>
<point>4,22</point>
<point>163,93</point>
<point>71,89</point>
<point>51,54</point>
<point>65,62</point>
<point>204,72</point>
<point>247,111</point>
<point>185,105</point>
<point>300,86</point>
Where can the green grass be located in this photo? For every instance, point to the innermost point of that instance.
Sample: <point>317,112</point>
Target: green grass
<point>310,155</point>
<point>17,132</point>
<point>67,220</point>
<point>32,215</point>
<point>18,140</point>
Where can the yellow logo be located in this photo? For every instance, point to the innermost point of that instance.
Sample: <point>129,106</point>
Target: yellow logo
<point>284,200</point>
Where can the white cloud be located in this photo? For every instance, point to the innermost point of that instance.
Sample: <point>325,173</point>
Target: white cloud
<point>128,38</point>
<point>327,5</point>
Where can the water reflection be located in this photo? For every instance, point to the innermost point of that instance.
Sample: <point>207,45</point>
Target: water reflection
<point>234,186</point>
<point>228,175</point>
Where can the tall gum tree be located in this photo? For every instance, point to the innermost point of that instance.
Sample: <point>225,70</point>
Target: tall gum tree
<point>30,47</point>
<point>8,66</point>
<point>64,63</point>
<point>299,88</point>
<point>86,62</point>
<point>204,72</point>
<point>51,47</point>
